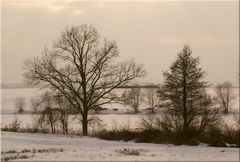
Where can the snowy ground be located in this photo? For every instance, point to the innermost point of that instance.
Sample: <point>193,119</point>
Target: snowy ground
<point>92,149</point>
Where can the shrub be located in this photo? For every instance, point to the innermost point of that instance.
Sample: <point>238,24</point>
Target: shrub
<point>15,127</point>
<point>10,152</point>
<point>231,135</point>
<point>127,151</point>
<point>22,157</point>
<point>14,157</point>
<point>155,129</point>
<point>124,134</point>
<point>25,150</point>
<point>53,150</point>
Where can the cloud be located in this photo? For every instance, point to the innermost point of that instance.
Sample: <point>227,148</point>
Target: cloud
<point>78,12</point>
<point>54,7</point>
<point>99,5</point>
<point>183,40</point>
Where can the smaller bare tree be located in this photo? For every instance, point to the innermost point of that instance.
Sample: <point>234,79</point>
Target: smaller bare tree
<point>20,104</point>
<point>52,110</point>
<point>151,98</point>
<point>49,116</point>
<point>65,109</point>
<point>224,95</point>
<point>132,98</point>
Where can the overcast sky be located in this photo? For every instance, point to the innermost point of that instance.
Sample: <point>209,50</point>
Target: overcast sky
<point>151,33</point>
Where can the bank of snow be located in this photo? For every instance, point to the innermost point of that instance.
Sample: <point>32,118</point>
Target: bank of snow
<point>92,149</point>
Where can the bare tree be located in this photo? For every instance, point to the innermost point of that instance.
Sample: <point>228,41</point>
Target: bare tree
<point>48,113</point>
<point>64,108</point>
<point>34,103</point>
<point>20,104</point>
<point>83,68</point>
<point>50,110</point>
<point>224,95</point>
<point>132,98</point>
<point>151,98</point>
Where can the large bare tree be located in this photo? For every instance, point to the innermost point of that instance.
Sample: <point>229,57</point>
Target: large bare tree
<point>83,68</point>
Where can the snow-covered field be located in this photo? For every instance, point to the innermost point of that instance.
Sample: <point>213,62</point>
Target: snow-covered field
<point>92,149</point>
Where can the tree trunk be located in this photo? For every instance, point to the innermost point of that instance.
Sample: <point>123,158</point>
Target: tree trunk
<point>85,125</point>
<point>184,102</point>
<point>152,103</point>
<point>152,109</point>
<point>225,110</point>
<point>51,121</point>
<point>52,128</point>
<point>66,127</point>
<point>63,127</point>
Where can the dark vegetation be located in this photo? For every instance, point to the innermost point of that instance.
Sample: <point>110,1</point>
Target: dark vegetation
<point>191,117</point>
<point>154,130</point>
<point>15,126</point>
<point>131,152</point>
<point>25,153</point>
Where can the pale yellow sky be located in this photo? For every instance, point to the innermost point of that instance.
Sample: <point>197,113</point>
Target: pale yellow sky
<point>151,33</point>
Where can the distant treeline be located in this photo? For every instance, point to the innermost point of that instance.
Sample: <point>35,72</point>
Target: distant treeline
<point>16,86</point>
<point>22,86</point>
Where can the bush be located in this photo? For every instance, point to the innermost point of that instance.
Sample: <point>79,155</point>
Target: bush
<point>127,151</point>
<point>53,150</point>
<point>10,152</point>
<point>140,136</point>
<point>169,129</point>
<point>124,134</point>
<point>25,150</point>
<point>213,137</point>
<point>166,131</point>
<point>12,127</point>
<point>15,127</point>
<point>150,135</point>
<point>231,135</point>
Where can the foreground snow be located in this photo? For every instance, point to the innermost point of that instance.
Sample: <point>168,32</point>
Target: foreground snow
<point>92,149</point>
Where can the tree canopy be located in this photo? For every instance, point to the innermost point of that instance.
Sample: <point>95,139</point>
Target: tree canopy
<point>83,68</point>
